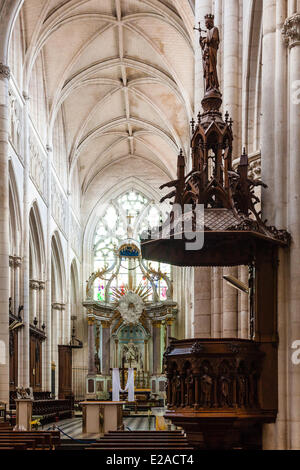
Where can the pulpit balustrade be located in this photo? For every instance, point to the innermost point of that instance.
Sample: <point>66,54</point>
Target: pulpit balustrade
<point>213,374</point>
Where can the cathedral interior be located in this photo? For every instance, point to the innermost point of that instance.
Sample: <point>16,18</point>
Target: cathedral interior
<point>150,219</point>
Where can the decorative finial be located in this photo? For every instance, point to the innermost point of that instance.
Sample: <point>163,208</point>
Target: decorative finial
<point>181,160</point>
<point>193,125</point>
<point>244,158</point>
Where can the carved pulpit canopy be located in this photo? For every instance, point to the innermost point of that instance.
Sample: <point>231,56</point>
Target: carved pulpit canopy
<point>231,226</point>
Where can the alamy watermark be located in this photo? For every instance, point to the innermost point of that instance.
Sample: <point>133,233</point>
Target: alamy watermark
<point>154,222</point>
<point>185,223</point>
<point>296,353</point>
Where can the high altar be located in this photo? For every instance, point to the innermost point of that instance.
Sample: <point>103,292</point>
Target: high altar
<point>129,322</point>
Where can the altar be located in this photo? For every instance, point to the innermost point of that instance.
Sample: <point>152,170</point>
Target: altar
<point>130,313</point>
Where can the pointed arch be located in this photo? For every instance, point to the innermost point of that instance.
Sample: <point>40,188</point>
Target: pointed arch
<point>37,263</point>
<point>58,275</point>
<point>74,278</point>
<point>15,231</point>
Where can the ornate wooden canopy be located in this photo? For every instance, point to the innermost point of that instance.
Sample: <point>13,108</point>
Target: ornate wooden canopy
<point>233,227</point>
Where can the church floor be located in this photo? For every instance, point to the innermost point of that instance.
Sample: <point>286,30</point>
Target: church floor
<point>73,427</point>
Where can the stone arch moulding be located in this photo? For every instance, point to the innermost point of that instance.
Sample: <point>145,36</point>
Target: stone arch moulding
<point>9,12</point>
<point>14,213</point>
<point>57,257</point>
<point>38,239</point>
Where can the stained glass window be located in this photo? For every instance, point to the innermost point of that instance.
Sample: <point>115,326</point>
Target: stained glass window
<point>137,211</point>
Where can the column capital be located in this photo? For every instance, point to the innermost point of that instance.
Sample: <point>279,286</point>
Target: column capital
<point>291,30</point>
<point>42,285</point>
<point>105,324</point>
<point>156,323</point>
<point>34,285</point>
<point>15,261</point>
<point>4,72</point>
<point>91,320</point>
<point>57,306</point>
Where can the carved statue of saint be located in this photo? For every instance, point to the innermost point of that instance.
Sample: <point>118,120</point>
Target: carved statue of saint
<point>225,391</point>
<point>210,46</point>
<point>242,387</point>
<point>189,384</point>
<point>206,388</point>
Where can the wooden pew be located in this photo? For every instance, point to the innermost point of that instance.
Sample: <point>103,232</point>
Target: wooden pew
<point>32,439</point>
<point>44,440</point>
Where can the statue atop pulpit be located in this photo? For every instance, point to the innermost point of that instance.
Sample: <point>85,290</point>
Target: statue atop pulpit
<point>210,46</point>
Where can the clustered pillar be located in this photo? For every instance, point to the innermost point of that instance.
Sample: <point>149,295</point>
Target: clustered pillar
<point>4,236</point>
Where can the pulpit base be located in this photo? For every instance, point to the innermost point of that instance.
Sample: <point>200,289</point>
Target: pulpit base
<point>222,429</point>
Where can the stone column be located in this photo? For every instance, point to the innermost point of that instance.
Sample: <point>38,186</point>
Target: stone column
<point>156,347</point>
<point>268,108</point>
<point>232,67</point>
<point>11,282</point>
<point>105,347</point>
<point>18,264</point>
<point>291,33</point>
<point>169,329</point>
<point>25,334</point>
<point>230,306</point>
<point>48,320</point>
<point>33,305</point>
<point>56,308</point>
<point>281,174</point>
<point>244,301</point>
<point>231,100</point>
<point>4,236</point>
<point>41,324</point>
<point>292,7</point>
<point>217,303</point>
<point>202,303</point>
<point>62,324</point>
<point>41,302</point>
<point>91,346</point>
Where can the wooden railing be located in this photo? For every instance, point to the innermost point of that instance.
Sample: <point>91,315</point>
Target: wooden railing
<point>206,374</point>
<point>215,391</point>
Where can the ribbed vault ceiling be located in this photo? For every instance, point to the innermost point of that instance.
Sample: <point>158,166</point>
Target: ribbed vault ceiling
<point>122,72</point>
